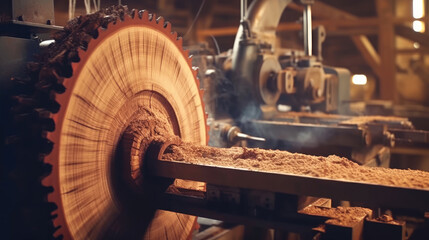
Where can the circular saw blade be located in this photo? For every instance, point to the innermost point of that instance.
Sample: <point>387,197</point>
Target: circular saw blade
<point>135,62</point>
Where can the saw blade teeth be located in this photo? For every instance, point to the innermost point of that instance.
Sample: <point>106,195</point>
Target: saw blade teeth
<point>54,213</point>
<point>58,228</point>
<point>143,14</point>
<point>92,43</point>
<point>173,36</point>
<point>126,18</point>
<point>47,181</point>
<point>167,26</point>
<point>179,40</point>
<point>51,196</point>
<point>74,65</point>
<point>195,72</point>
<point>133,13</point>
<point>146,18</point>
<point>95,35</point>
<point>189,59</point>
<point>152,16</point>
<point>186,54</point>
<point>82,52</point>
<point>160,20</point>
<point>57,223</point>
<point>57,220</point>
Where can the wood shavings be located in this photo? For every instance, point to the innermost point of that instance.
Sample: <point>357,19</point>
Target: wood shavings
<point>344,216</point>
<point>332,167</point>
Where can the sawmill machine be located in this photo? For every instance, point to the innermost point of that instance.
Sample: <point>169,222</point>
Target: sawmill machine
<point>92,116</point>
<point>288,97</point>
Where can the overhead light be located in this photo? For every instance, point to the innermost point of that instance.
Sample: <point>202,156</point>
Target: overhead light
<point>359,79</point>
<point>416,45</point>
<point>418,12</point>
<point>418,8</point>
<point>418,26</point>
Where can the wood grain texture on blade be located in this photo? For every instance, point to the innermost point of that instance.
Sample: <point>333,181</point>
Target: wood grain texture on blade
<point>135,64</point>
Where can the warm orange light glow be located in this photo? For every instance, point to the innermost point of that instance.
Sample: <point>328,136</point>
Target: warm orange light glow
<point>359,79</point>
<point>418,26</point>
<point>418,12</point>
<point>418,8</point>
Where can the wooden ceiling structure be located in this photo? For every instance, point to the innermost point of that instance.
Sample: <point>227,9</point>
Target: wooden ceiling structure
<point>361,35</point>
<point>378,55</point>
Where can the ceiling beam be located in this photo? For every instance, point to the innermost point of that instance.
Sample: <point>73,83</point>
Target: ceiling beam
<point>361,42</point>
<point>386,48</point>
<point>368,52</point>
<point>410,34</point>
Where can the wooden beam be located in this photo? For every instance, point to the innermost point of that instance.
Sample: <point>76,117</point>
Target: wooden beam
<point>295,7</point>
<point>223,31</point>
<point>361,41</point>
<point>413,50</point>
<point>321,7</point>
<point>409,33</point>
<point>386,45</point>
<point>226,10</point>
<point>333,23</point>
<point>326,11</point>
<point>294,26</point>
<point>353,32</point>
<point>368,52</point>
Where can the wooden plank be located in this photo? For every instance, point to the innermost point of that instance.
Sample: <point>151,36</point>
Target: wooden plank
<point>380,195</point>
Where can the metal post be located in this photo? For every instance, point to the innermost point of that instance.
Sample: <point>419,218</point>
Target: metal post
<point>307,28</point>
<point>243,9</point>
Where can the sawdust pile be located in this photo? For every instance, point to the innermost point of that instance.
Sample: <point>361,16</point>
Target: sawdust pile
<point>388,219</point>
<point>332,167</point>
<point>345,216</point>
